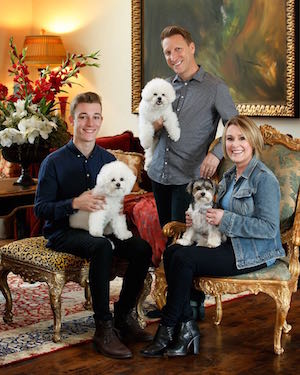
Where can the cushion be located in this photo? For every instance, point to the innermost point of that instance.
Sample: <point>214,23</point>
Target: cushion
<point>142,212</point>
<point>116,142</point>
<point>135,162</point>
<point>34,251</point>
<point>278,271</point>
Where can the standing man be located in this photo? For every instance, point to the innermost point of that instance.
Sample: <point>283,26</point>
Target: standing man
<point>66,178</point>
<point>201,101</point>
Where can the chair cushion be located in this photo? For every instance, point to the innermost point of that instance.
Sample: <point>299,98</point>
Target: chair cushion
<point>33,251</point>
<point>278,271</point>
<point>120,141</point>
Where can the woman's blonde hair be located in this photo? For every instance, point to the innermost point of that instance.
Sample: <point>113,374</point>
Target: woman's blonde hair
<point>250,131</point>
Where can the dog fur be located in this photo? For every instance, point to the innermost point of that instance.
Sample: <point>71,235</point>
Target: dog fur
<point>201,232</point>
<point>157,98</point>
<point>114,181</point>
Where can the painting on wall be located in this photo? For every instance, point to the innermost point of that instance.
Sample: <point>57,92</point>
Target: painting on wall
<point>250,44</point>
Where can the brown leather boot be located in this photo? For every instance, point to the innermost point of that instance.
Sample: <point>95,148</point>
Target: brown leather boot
<point>130,328</point>
<point>107,342</point>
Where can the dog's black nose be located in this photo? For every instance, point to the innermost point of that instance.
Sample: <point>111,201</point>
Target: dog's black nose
<point>202,193</point>
<point>118,184</point>
<point>158,100</point>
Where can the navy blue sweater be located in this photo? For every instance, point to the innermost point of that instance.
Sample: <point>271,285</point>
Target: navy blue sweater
<point>64,175</point>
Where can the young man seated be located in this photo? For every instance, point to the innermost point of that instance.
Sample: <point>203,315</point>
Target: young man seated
<point>66,179</point>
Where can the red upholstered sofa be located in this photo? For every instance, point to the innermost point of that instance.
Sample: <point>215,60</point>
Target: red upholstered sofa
<point>139,206</point>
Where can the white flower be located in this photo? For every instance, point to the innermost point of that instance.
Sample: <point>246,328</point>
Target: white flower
<point>9,136</point>
<point>31,134</point>
<point>20,109</point>
<point>46,128</point>
<point>33,127</point>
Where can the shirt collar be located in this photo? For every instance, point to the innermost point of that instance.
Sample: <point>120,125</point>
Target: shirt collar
<point>198,76</point>
<point>71,146</point>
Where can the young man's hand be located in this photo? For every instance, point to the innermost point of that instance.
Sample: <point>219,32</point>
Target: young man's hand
<point>88,202</point>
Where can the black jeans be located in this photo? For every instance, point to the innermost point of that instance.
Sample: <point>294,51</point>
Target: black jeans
<point>182,263</point>
<point>98,250</point>
<point>172,201</point>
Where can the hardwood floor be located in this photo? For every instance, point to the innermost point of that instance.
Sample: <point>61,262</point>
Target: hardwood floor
<point>243,345</point>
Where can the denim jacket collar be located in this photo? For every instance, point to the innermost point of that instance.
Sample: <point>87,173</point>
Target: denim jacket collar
<point>229,175</point>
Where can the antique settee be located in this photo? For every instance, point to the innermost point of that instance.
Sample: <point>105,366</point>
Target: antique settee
<point>30,258</point>
<point>282,155</point>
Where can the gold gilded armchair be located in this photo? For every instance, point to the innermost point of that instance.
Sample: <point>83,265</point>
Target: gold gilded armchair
<point>281,154</point>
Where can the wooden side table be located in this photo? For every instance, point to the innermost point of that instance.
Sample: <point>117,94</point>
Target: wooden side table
<point>13,200</point>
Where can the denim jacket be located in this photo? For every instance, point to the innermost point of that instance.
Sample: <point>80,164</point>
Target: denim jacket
<point>253,220</point>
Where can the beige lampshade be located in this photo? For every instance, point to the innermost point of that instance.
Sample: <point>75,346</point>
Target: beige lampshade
<point>43,50</point>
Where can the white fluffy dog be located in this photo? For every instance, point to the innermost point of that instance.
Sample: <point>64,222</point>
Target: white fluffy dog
<point>201,232</point>
<point>114,181</point>
<point>157,98</point>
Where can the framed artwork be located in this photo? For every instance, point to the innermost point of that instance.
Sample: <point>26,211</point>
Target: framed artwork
<point>250,44</point>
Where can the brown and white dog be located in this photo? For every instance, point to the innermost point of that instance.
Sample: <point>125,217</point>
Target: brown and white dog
<point>201,232</point>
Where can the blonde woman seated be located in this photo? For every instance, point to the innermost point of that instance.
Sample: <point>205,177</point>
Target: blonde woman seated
<point>248,198</point>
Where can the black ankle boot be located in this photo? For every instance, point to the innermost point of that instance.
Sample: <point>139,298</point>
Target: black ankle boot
<point>162,339</point>
<point>186,340</point>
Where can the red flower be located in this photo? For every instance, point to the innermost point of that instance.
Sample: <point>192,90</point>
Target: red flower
<point>43,91</point>
<point>3,92</point>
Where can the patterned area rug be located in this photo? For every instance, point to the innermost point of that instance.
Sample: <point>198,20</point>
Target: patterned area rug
<point>30,334</point>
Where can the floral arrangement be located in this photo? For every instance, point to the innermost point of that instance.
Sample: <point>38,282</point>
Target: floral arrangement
<point>28,115</point>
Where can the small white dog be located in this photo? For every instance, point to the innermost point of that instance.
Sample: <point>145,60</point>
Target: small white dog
<point>114,181</point>
<point>157,98</point>
<point>201,232</point>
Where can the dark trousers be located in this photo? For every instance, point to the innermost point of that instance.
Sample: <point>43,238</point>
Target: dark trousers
<point>172,201</point>
<point>182,263</point>
<point>99,251</point>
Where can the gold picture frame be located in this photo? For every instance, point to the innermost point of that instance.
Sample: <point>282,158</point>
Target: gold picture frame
<point>283,106</point>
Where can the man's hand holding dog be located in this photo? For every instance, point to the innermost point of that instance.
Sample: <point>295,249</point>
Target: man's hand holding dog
<point>158,124</point>
<point>88,202</point>
<point>209,166</point>
<point>214,215</point>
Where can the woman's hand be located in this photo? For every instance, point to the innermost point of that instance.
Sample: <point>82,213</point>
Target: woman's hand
<point>89,202</point>
<point>188,220</point>
<point>214,216</point>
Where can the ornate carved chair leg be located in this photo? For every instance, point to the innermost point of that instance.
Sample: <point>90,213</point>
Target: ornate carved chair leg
<point>141,299</point>
<point>88,298</point>
<point>8,316</point>
<point>55,289</point>
<point>219,310</point>
<point>160,290</point>
<point>282,308</point>
<point>286,327</point>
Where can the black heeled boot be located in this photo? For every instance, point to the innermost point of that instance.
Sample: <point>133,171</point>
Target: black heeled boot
<point>162,339</point>
<point>186,340</point>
